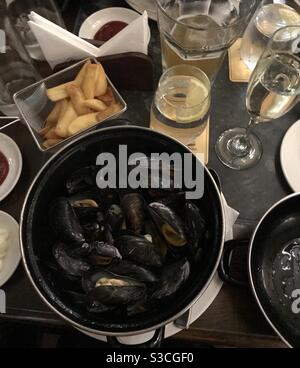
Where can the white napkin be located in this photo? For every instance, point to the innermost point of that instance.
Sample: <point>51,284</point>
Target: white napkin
<point>231,215</point>
<point>59,45</point>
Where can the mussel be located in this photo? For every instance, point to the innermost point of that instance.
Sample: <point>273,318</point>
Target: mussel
<point>172,278</point>
<point>71,266</point>
<point>93,231</point>
<point>133,206</point>
<point>139,250</point>
<point>82,251</point>
<point>134,271</point>
<point>103,254</point>
<point>64,222</point>
<point>81,180</point>
<point>96,307</point>
<point>169,224</point>
<point>109,289</point>
<point>114,219</point>
<point>195,226</point>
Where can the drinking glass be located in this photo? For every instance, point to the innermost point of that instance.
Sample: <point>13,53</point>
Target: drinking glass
<point>181,105</point>
<point>16,68</point>
<point>199,32</point>
<point>270,16</point>
<point>273,90</point>
<point>19,11</point>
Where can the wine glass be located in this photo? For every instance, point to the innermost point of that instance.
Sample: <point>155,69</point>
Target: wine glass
<point>273,90</point>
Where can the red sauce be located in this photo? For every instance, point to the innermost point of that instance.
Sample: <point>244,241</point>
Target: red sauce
<point>4,168</point>
<point>109,30</point>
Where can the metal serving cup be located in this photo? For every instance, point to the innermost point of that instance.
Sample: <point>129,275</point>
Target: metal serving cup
<point>35,106</point>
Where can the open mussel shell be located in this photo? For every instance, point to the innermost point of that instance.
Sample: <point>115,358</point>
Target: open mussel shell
<point>139,250</point>
<point>168,223</point>
<point>64,222</point>
<point>81,180</point>
<point>110,289</point>
<point>134,271</point>
<point>133,206</point>
<point>103,254</point>
<point>172,278</point>
<point>71,266</point>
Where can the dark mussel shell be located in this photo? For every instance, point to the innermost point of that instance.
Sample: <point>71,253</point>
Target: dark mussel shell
<point>71,266</point>
<point>138,307</point>
<point>103,254</point>
<point>133,206</point>
<point>114,219</point>
<point>156,237</point>
<point>81,180</point>
<point>134,271</point>
<point>96,307</point>
<point>89,214</point>
<point>156,173</point>
<point>172,278</point>
<point>110,289</point>
<point>195,226</point>
<point>82,251</point>
<point>65,223</point>
<point>169,224</point>
<point>93,231</point>
<point>139,250</point>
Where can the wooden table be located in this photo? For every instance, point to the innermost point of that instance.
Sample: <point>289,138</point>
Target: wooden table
<point>234,318</point>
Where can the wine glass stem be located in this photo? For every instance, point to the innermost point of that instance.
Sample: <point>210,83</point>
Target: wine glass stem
<point>251,126</point>
<point>240,145</point>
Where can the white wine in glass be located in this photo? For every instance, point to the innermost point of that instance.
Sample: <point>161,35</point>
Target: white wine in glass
<point>273,90</point>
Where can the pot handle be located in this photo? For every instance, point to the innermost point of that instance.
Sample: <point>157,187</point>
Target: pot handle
<point>155,342</point>
<point>225,269</point>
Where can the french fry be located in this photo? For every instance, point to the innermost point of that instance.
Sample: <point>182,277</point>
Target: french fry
<point>89,82</point>
<point>51,134</point>
<point>77,98</point>
<point>51,142</point>
<point>81,75</point>
<point>64,122</point>
<point>44,130</point>
<point>63,108</point>
<point>54,115</point>
<point>101,85</point>
<point>111,110</point>
<point>58,93</point>
<point>108,97</point>
<point>82,122</point>
<point>95,104</point>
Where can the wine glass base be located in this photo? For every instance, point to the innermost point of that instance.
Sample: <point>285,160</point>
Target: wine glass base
<point>233,159</point>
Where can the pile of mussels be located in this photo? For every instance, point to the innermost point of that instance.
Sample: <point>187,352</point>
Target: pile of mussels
<point>126,250</point>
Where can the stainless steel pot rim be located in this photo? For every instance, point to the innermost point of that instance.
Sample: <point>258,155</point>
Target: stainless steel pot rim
<point>52,307</point>
<point>250,268</point>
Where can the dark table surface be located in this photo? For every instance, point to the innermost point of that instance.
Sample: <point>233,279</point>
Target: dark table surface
<point>234,318</point>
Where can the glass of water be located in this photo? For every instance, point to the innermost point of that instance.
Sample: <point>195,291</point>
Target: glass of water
<point>270,16</point>
<point>181,105</point>
<point>273,90</point>
<point>16,69</point>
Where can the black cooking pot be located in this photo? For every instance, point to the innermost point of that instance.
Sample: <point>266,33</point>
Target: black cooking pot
<point>36,236</point>
<point>273,267</point>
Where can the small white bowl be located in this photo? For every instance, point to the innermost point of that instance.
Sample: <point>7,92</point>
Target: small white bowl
<point>13,256</point>
<point>97,20</point>
<point>11,151</point>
